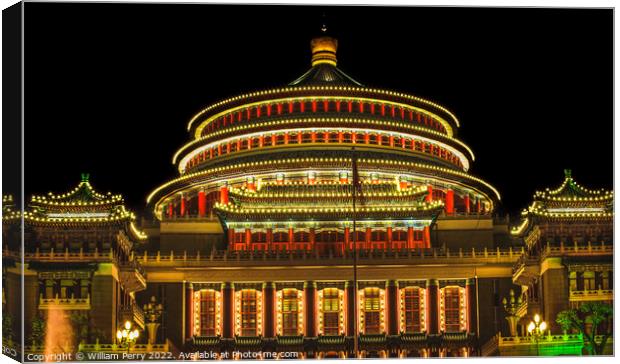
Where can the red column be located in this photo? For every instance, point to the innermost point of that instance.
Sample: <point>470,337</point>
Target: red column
<point>432,288</point>
<point>347,238</point>
<point>310,308</point>
<point>426,237</point>
<point>368,237</point>
<point>182,205</point>
<point>202,203</point>
<point>231,237</point>
<point>248,238</point>
<point>389,236</point>
<point>170,209</point>
<point>224,195</point>
<point>286,138</point>
<point>450,202</point>
<point>366,138</point>
<point>340,137</point>
<point>269,309</point>
<point>228,310</point>
<point>467,204</point>
<point>392,307</point>
<point>291,238</point>
<point>189,310</point>
<point>270,238</point>
<point>410,237</point>
<point>313,136</point>
<point>472,309</point>
<point>250,184</point>
<point>351,310</point>
<point>429,197</point>
<point>478,209</point>
<point>312,238</point>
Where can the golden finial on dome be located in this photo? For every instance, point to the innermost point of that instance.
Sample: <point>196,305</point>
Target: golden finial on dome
<point>324,48</point>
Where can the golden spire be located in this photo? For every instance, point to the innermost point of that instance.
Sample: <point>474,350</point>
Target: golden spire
<point>324,48</point>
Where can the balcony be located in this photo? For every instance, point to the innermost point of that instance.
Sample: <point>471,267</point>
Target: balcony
<point>227,258</point>
<point>132,275</point>
<point>64,303</point>
<point>133,313</point>
<point>525,270</point>
<point>592,295</point>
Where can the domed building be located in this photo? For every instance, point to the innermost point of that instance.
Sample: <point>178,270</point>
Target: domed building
<point>321,219</point>
<point>276,167</point>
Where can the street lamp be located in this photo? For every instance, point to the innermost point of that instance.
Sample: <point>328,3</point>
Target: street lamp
<point>536,329</point>
<point>127,336</point>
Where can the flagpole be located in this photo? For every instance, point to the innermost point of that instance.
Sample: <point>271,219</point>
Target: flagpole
<point>354,190</point>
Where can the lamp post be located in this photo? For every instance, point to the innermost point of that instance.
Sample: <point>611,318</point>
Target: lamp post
<point>153,311</point>
<point>127,336</point>
<point>536,329</point>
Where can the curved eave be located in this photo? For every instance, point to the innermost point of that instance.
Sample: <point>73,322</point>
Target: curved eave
<point>182,182</point>
<point>239,215</point>
<point>288,92</point>
<point>298,123</point>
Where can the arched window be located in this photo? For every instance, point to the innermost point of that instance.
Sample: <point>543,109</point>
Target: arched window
<point>452,305</point>
<point>249,312</point>
<point>290,318</point>
<point>280,237</point>
<point>206,312</point>
<point>372,307</point>
<point>330,309</point>
<point>413,318</point>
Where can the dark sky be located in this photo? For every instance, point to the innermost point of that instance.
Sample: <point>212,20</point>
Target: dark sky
<point>110,87</point>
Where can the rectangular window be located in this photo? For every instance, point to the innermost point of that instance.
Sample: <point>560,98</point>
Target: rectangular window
<point>372,311</point>
<point>331,311</point>
<point>573,281</point>
<point>290,312</point>
<point>589,281</point>
<point>248,312</point>
<point>412,303</point>
<point>207,312</point>
<point>452,309</point>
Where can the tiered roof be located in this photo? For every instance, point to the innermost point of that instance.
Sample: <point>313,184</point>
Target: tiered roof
<point>328,201</point>
<point>570,201</point>
<point>81,206</point>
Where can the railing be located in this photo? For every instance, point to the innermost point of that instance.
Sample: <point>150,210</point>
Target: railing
<point>575,249</point>
<point>592,295</point>
<point>135,312</point>
<point>66,255</point>
<point>529,345</point>
<point>365,256</point>
<point>64,303</point>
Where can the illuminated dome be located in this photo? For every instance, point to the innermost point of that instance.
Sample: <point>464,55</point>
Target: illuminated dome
<point>285,154</point>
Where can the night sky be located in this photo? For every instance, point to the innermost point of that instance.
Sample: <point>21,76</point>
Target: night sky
<point>110,87</point>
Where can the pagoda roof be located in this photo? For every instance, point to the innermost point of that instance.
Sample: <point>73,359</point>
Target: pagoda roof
<point>84,195</point>
<point>80,207</point>
<point>570,190</point>
<point>9,213</point>
<point>568,202</point>
<point>324,74</point>
<point>233,212</point>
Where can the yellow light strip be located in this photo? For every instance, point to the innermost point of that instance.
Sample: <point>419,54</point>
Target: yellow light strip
<point>235,209</point>
<point>320,160</point>
<point>213,144</point>
<point>320,98</point>
<point>249,193</point>
<point>319,120</point>
<point>322,88</point>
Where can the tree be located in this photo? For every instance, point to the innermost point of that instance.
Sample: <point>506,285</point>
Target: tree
<point>37,334</point>
<point>7,327</point>
<point>591,313</point>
